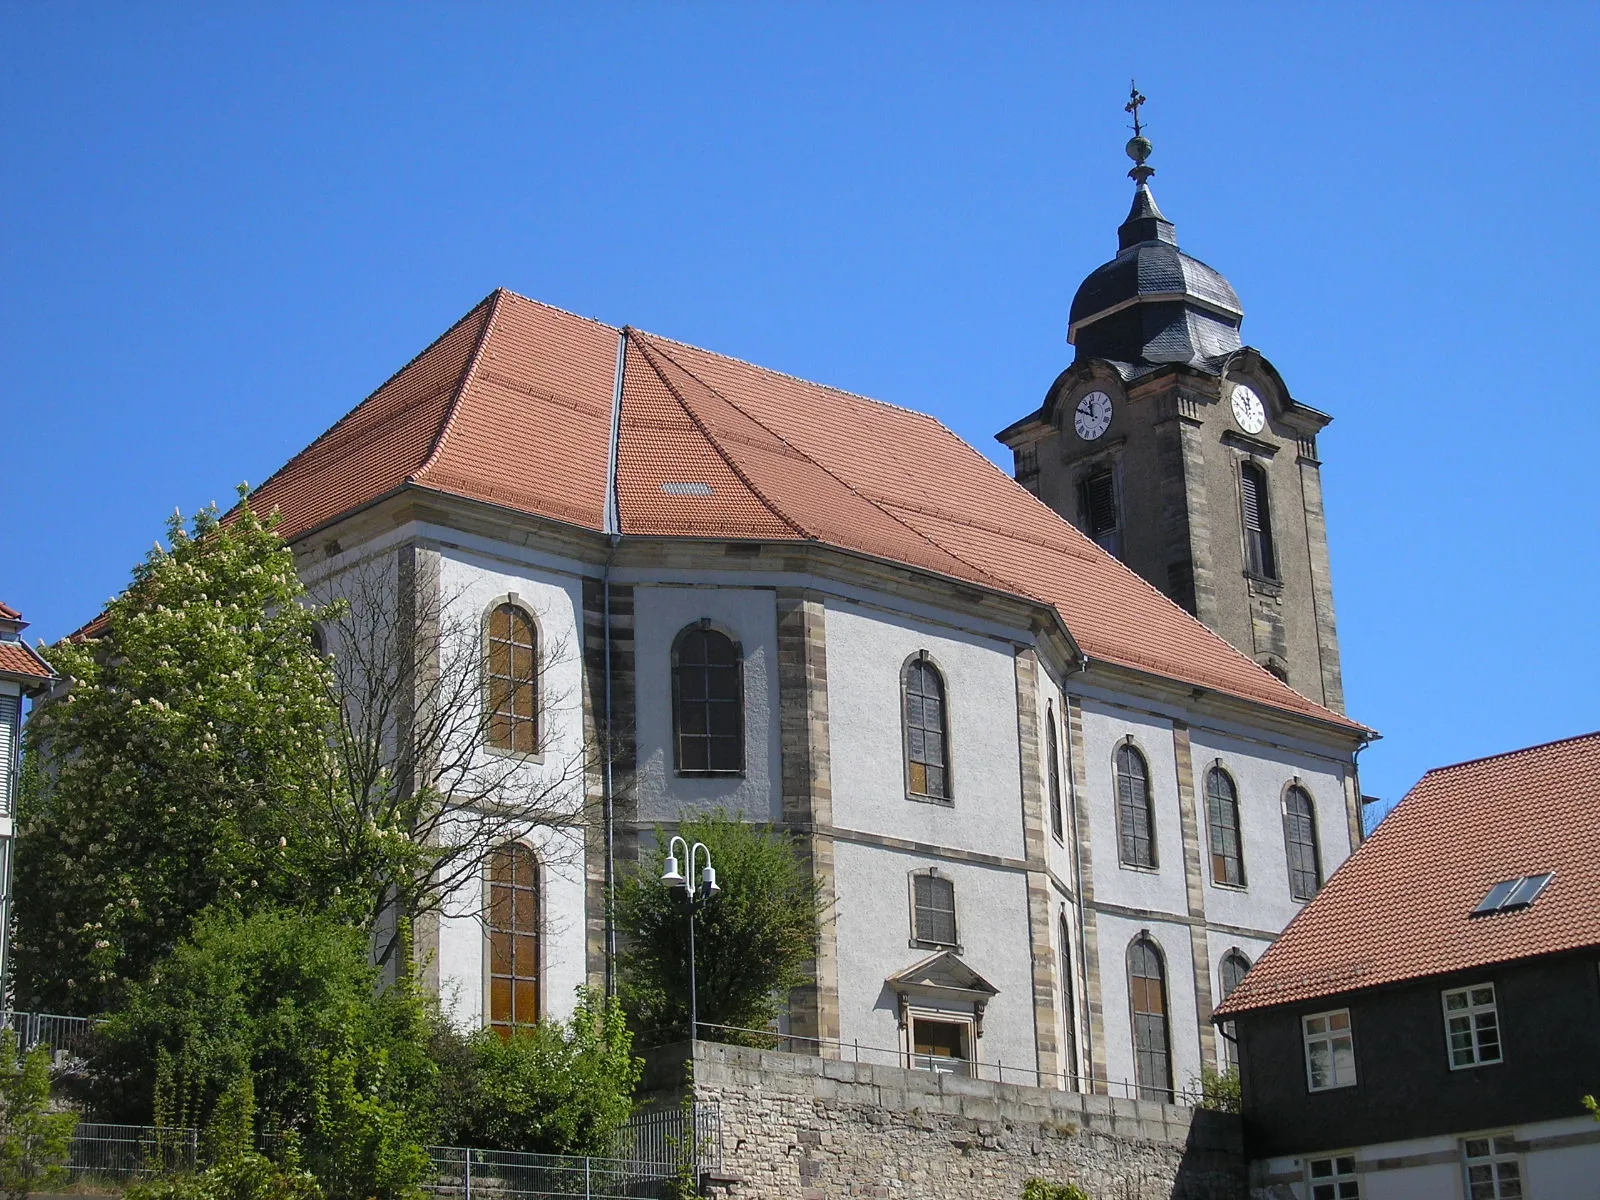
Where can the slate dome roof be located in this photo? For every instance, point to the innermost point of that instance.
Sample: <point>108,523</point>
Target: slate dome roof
<point>1153,303</point>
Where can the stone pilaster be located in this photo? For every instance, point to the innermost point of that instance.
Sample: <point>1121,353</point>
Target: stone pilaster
<point>417,618</point>
<point>1195,886</point>
<point>613,742</point>
<point>1192,506</point>
<point>1321,583</point>
<point>1029,760</point>
<point>1093,1003</point>
<point>807,783</point>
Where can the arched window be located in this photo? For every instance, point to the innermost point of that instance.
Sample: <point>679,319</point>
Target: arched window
<point>708,702</point>
<point>1300,839</point>
<point>1222,821</point>
<point>1135,818</point>
<point>1069,1012</point>
<point>933,909</point>
<point>1257,521</point>
<point>927,743</point>
<point>513,679</point>
<point>513,938</point>
<point>1229,976</point>
<point>1053,754</point>
<point>1147,998</point>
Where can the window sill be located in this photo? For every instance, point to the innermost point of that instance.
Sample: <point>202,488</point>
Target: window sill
<point>1488,1062</point>
<point>924,944</point>
<point>1332,1087</point>
<point>708,774</point>
<point>1126,866</point>
<point>941,801</point>
<point>533,756</point>
<point>1264,584</point>
<point>1230,887</point>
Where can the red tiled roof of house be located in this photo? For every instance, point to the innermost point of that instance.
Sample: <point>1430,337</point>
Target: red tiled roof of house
<point>19,660</point>
<point>513,406</point>
<point>7,613</point>
<point>1400,907</point>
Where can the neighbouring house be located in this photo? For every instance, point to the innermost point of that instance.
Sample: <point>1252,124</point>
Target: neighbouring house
<point>1059,799</point>
<point>1428,1026</point>
<point>22,673</point>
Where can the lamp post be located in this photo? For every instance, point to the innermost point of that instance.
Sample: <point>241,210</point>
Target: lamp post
<point>697,896</point>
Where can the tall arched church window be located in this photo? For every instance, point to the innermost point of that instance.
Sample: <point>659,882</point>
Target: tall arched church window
<point>512,674</point>
<point>1257,521</point>
<point>1098,503</point>
<point>1230,975</point>
<point>1053,757</point>
<point>1069,1012</point>
<point>927,738</point>
<point>1152,1041</point>
<point>708,702</point>
<point>1222,822</point>
<point>513,938</point>
<point>1300,840</point>
<point>1135,817</point>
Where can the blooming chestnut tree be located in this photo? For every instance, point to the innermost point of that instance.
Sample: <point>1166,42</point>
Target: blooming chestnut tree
<point>186,767</point>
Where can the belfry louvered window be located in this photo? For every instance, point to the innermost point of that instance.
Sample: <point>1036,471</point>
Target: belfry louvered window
<point>1053,754</point>
<point>927,744</point>
<point>1135,819</point>
<point>1300,840</point>
<point>1222,821</point>
<point>1152,1042</point>
<point>1257,522</point>
<point>708,702</point>
<point>1099,505</point>
<point>933,912</point>
<point>513,680</point>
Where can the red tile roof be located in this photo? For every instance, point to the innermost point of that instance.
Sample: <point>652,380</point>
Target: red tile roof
<point>1400,907</point>
<point>7,613</point>
<point>513,406</point>
<point>17,660</point>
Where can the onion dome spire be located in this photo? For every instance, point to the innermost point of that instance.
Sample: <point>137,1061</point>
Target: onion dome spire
<point>1152,303</point>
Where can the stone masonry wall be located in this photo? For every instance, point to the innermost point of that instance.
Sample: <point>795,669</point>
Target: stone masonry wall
<point>803,1128</point>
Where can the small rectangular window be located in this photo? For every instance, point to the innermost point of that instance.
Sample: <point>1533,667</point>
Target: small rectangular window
<point>1257,522</point>
<point>1100,520</point>
<point>934,918</point>
<point>1334,1178</point>
<point>1330,1050</point>
<point>1512,895</point>
<point>1472,1026</point>
<point>939,1046</point>
<point>1493,1171</point>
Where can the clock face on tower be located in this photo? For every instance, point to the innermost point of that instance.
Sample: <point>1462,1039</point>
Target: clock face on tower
<point>1248,409</point>
<point>1093,416</point>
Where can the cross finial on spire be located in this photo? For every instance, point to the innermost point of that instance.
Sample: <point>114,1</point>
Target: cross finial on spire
<point>1138,146</point>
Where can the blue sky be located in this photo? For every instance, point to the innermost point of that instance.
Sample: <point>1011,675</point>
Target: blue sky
<point>226,224</point>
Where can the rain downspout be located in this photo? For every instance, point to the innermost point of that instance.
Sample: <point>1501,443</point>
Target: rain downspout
<point>1077,881</point>
<point>613,529</point>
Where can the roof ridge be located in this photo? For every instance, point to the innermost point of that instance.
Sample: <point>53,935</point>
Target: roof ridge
<point>556,308</point>
<point>1472,762</point>
<point>312,444</point>
<point>711,440</point>
<point>744,362</point>
<point>844,483</point>
<point>494,299</point>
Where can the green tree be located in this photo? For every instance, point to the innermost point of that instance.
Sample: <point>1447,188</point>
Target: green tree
<point>34,1142</point>
<point>558,1087</point>
<point>293,1003</point>
<point>185,768</point>
<point>1217,1089</point>
<point>753,941</point>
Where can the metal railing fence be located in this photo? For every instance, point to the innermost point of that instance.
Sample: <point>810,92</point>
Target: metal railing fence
<point>105,1151</point>
<point>668,1136</point>
<point>996,1071</point>
<point>463,1174</point>
<point>66,1036</point>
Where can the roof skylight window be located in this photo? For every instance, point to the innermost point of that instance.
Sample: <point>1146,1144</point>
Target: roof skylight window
<point>1513,895</point>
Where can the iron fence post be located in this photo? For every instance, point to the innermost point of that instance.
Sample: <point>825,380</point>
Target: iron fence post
<point>466,1153</point>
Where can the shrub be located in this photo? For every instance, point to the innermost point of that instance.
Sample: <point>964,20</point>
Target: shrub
<point>247,1176</point>
<point>752,941</point>
<point>552,1088</point>
<point>1039,1189</point>
<point>34,1142</point>
<point>1218,1089</point>
<point>292,1002</point>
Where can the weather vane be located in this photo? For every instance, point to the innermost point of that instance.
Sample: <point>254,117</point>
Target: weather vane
<point>1138,146</point>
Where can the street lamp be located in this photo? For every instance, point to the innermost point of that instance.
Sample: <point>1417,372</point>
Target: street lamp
<point>708,888</point>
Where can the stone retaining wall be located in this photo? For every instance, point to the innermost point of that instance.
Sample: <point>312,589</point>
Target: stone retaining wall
<point>802,1128</point>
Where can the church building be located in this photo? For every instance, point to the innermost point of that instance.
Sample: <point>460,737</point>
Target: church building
<point>1066,752</point>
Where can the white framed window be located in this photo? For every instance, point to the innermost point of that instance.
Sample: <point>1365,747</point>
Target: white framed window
<point>1472,1026</point>
<point>941,1043</point>
<point>1330,1050</point>
<point>1493,1170</point>
<point>1333,1178</point>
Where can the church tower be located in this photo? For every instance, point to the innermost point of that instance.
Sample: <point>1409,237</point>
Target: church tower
<point>1180,450</point>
